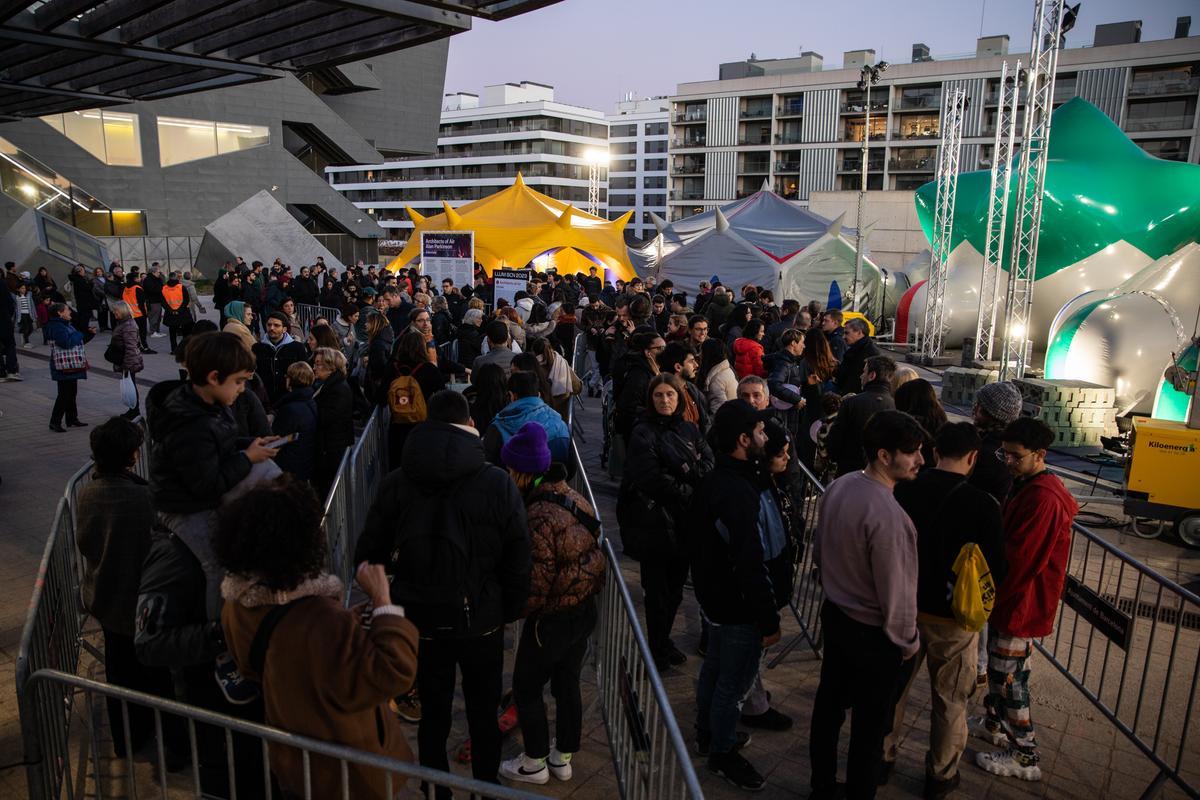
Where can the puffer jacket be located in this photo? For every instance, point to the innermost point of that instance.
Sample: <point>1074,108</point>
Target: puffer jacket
<point>787,377</point>
<point>568,566</point>
<point>748,358</point>
<point>195,453</point>
<point>296,412</point>
<point>718,310</point>
<point>172,627</point>
<point>720,386</point>
<point>436,456</point>
<point>515,416</point>
<point>126,333</point>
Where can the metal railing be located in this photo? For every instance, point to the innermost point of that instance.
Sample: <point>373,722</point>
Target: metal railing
<point>321,761</point>
<point>1129,640</point>
<point>354,488</point>
<point>307,314</point>
<point>807,595</point>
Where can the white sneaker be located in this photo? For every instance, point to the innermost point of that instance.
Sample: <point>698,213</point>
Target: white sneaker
<point>1007,764</point>
<point>158,336</point>
<point>525,769</point>
<point>15,377</point>
<point>978,727</point>
<point>28,345</point>
<point>560,764</point>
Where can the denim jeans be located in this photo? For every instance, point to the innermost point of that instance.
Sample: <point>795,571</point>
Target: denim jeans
<point>730,665</point>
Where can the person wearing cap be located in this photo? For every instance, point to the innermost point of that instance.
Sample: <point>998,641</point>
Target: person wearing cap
<point>866,548</point>
<point>996,405</point>
<point>737,531</point>
<point>568,571</point>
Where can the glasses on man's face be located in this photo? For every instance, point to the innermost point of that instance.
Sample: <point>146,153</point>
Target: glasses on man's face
<point>700,329</point>
<point>658,348</point>
<point>1015,458</point>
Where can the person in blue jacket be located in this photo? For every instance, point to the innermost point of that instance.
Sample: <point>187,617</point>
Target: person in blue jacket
<point>526,405</point>
<point>64,336</point>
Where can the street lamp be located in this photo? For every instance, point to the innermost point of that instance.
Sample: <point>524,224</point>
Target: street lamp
<point>870,77</point>
<point>596,158</point>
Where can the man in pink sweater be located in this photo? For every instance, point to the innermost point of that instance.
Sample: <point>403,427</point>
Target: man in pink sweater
<point>866,548</point>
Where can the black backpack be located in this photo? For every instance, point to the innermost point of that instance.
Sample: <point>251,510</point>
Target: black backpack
<point>432,564</point>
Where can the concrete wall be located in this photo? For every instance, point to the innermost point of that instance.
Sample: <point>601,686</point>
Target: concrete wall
<point>180,200</point>
<point>894,236</point>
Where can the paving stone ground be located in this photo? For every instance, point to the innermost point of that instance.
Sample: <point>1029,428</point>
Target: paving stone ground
<point>1083,756</point>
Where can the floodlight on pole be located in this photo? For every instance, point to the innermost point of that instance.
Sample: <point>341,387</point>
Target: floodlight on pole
<point>870,77</point>
<point>596,158</point>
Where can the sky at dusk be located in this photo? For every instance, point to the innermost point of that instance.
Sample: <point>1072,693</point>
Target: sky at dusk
<point>595,51</point>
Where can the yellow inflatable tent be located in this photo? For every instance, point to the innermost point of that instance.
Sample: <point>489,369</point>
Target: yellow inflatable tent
<point>518,225</point>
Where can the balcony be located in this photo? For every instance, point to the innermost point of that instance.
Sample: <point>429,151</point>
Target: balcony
<point>688,168</point>
<point>1173,123</point>
<point>920,103</point>
<point>1156,87</point>
<point>687,194</point>
<point>926,164</point>
<point>754,140</point>
<point>787,166</point>
<point>690,141</point>
<point>787,138</point>
<point>789,111</point>
<point>877,106</point>
<point>755,168</point>
<point>758,112</point>
<point>855,165</point>
<point>916,132</point>
<point>691,116</point>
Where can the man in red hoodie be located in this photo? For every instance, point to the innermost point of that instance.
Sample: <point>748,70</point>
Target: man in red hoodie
<point>1037,545</point>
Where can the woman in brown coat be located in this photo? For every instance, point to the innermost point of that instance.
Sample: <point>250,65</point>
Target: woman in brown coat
<point>324,674</point>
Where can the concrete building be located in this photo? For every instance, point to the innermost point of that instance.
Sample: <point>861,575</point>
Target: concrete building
<point>482,145</point>
<point>637,169</point>
<point>800,126</point>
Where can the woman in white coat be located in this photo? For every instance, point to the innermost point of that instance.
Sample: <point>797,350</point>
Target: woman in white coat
<point>716,376</point>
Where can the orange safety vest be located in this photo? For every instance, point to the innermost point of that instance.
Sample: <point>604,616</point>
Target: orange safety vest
<point>173,295</point>
<point>130,296</point>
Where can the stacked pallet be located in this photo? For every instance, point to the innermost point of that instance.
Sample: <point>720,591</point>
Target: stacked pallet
<point>1078,412</point>
<point>959,384</point>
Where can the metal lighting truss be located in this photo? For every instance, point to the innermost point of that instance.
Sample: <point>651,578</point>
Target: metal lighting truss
<point>954,104</point>
<point>594,188</point>
<point>1035,142</point>
<point>993,253</point>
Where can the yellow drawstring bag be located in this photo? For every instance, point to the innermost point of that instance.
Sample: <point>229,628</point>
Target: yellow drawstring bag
<point>974,591</point>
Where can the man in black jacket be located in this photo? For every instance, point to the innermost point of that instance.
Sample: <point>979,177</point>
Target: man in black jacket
<point>859,347</point>
<point>734,538</point>
<point>949,513</point>
<point>445,487</point>
<point>844,440</point>
<point>152,285</point>
<point>787,375</point>
<point>996,405</point>
<point>831,325</point>
<point>276,354</point>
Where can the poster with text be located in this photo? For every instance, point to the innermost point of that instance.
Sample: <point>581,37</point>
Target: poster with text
<point>448,254</point>
<point>508,282</point>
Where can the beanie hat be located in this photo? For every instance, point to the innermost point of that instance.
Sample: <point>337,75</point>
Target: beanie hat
<point>527,451</point>
<point>1002,401</point>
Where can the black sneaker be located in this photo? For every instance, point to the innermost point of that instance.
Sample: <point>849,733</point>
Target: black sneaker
<point>733,767</point>
<point>704,740</point>
<point>936,790</point>
<point>769,720</point>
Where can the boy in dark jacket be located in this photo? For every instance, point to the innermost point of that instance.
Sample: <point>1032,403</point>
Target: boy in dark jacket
<point>734,539</point>
<point>296,412</point>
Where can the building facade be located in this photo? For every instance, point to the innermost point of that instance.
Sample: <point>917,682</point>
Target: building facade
<point>482,144</point>
<point>637,168</point>
<point>801,127</point>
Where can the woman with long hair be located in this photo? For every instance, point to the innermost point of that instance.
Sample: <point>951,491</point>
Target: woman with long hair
<point>918,399</point>
<point>288,308</point>
<point>487,394</point>
<point>821,367</point>
<point>716,375</point>
<point>558,371</point>
<point>380,340</point>
<point>631,375</point>
<point>322,336</point>
<point>747,351</point>
<point>664,462</point>
<point>410,358</point>
<point>734,325</point>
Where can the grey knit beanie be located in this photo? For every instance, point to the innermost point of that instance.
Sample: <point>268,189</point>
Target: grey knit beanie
<point>1002,401</point>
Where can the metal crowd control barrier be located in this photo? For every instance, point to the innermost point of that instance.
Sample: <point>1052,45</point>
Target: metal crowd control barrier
<point>307,314</point>
<point>88,764</point>
<point>53,639</point>
<point>1129,640</point>
<point>649,754</point>
<point>353,490</point>
<point>806,592</point>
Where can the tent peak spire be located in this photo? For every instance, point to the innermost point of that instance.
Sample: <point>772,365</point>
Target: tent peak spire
<point>414,216</point>
<point>722,221</point>
<point>564,219</point>
<point>452,216</point>
<point>520,181</point>
<point>766,185</point>
<point>623,220</point>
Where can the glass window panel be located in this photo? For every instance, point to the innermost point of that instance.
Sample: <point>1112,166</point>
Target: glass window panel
<point>86,129</point>
<point>122,139</point>
<point>183,140</point>
<point>232,137</point>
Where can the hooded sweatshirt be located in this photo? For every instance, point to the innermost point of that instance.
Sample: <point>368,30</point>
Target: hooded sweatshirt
<point>514,416</point>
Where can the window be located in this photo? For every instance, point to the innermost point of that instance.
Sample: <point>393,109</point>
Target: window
<point>183,140</point>
<point>654,200</point>
<point>622,200</point>
<point>110,136</point>
<point>622,183</point>
<point>624,165</point>
<point>659,146</point>
<point>1170,149</point>
<point>655,182</point>
<point>655,165</point>
<point>1174,113</point>
<point>656,129</point>
<point>914,126</point>
<point>622,130</point>
<point>623,148</point>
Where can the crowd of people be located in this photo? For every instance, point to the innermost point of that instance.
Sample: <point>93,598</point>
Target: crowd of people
<point>718,405</point>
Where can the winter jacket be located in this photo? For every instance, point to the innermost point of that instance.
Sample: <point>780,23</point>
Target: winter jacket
<point>1037,546</point>
<point>296,412</point>
<point>514,416</point>
<point>729,562</point>
<point>443,327</point>
<point>276,295</point>
<point>787,377</point>
<point>335,426</point>
<point>720,386</point>
<point>113,523</point>
<point>748,358</point>
<point>470,343</point>
<point>305,290</point>
<point>126,333</point>
<point>568,565</point>
<point>666,459</point>
<point>837,342</point>
<point>273,362</point>
<point>249,413</point>
<point>991,474</point>
<point>503,356</point>
<point>849,371</point>
<point>631,380</point>
<point>844,440</point>
<point>152,285</point>
<point>718,310</point>
<point>172,628</point>
<point>949,512</point>
<point>195,455</point>
<point>350,672</point>
<point>436,457</point>
<point>81,290</point>
<point>64,336</point>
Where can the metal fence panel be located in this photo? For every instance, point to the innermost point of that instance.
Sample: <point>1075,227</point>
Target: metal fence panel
<point>307,314</point>
<point>807,596</point>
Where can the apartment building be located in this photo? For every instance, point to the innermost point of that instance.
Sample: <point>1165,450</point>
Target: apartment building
<point>637,169</point>
<point>800,125</point>
<point>483,142</point>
